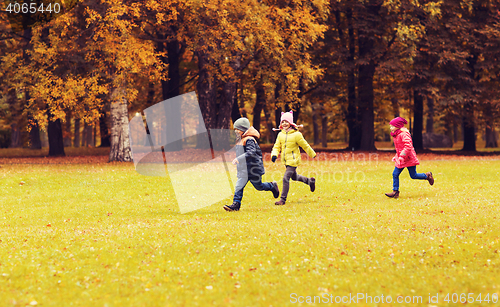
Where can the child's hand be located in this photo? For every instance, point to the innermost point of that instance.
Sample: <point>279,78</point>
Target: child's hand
<point>401,160</point>
<point>273,158</point>
<point>235,161</point>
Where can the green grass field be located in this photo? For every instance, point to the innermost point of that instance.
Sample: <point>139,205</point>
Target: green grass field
<point>102,235</point>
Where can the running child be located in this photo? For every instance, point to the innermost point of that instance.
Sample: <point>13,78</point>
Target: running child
<point>287,143</point>
<point>405,156</point>
<point>248,163</point>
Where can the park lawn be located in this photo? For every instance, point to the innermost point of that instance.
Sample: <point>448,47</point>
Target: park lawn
<point>103,235</point>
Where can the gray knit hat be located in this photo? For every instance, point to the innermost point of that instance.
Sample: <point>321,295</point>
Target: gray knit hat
<point>242,124</point>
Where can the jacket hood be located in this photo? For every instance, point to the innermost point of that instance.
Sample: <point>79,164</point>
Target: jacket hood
<point>251,132</point>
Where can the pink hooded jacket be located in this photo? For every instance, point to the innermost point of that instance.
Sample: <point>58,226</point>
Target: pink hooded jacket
<point>405,153</point>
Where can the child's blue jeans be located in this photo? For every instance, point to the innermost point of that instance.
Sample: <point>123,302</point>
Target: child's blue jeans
<point>241,182</point>
<point>413,174</point>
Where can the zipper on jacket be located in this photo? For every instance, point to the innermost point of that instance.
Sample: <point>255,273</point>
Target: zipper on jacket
<point>284,151</point>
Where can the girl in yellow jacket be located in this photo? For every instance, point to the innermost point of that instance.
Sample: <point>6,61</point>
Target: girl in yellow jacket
<point>288,142</point>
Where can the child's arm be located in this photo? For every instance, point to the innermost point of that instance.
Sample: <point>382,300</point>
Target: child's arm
<point>251,150</point>
<point>277,147</point>
<point>304,145</point>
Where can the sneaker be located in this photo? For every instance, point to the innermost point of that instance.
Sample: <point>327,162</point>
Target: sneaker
<point>234,207</point>
<point>430,178</point>
<point>280,202</point>
<point>275,190</point>
<point>312,184</point>
<point>394,194</point>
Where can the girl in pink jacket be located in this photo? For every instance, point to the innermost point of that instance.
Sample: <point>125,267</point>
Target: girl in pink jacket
<point>405,156</point>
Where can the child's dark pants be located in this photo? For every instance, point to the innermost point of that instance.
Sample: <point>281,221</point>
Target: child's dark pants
<point>256,181</point>
<point>291,172</point>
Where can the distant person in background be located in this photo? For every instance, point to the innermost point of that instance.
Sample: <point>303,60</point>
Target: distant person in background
<point>248,163</point>
<point>405,156</point>
<point>287,143</point>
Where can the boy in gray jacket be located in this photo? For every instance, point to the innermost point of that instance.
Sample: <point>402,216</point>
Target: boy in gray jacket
<point>248,151</point>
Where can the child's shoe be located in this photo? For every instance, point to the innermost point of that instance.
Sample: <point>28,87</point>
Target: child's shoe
<point>312,184</point>
<point>234,207</point>
<point>280,202</point>
<point>275,190</point>
<point>394,194</point>
<point>430,178</point>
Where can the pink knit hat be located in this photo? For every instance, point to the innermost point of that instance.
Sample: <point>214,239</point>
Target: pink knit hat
<point>288,116</point>
<point>398,122</point>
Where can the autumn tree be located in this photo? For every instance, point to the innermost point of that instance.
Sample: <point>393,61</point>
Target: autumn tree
<point>226,36</point>
<point>79,57</point>
<point>466,60</point>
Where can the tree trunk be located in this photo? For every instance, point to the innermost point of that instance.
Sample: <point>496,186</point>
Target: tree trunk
<point>170,89</point>
<point>67,130</point>
<point>34,135</point>
<point>418,120</point>
<point>277,117</point>
<point>241,102</point>
<point>271,135</point>
<point>89,135</point>
<point>315,126</point>
<point>366,73</point>
<point>490,137</point>
<point>151,95</point>
<point>277,111</point>
<point>76,139</point>
<point>260,100</point>
<point>297,105</point>
<point>35,141</point>
<point>55,135</point>
<point>395,107</point>
<point>456,122</point>
<point>324,134</point>
<point>468,112</point>
<point>430,116</point>
<point>207,94</point>
<point>352,117</point>
<point>15,131</point>
<point>490,134</point>
<point>230,87</point>
<point>235,110</point>
<point>84,134</point>
<point>365,79</point>
<point>351,113</point>
<point>15,136</point>
<point>226,104</point>
<point>103,130</point>
<point>469,128</point>
<point>448,125</point>
<point>120,142</point>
